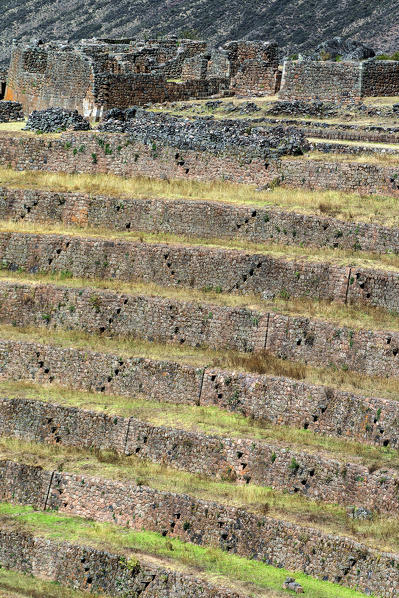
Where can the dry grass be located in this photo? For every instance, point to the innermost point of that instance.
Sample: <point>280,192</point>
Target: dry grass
<point>363,158</point>
<point>345,206</point>
<point>381,532</point>
<point>353,316</point>
<point>12,126</point>
<point>339,257</point>
<point>355,143</point>
<point>380,101</point>
<point>206,420</point>
<point>261,363</point>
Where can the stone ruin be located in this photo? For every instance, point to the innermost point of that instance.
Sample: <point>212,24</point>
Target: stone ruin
<point>95,75</point>
<point>339,70</point>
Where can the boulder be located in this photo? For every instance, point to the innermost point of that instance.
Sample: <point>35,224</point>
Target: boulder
<point>345,49</point>
<point>292,585</point>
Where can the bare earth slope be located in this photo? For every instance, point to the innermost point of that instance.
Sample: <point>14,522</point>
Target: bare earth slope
<point>295,24</point>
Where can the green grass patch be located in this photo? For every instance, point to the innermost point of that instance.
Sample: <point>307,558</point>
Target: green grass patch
<point>257,575</point>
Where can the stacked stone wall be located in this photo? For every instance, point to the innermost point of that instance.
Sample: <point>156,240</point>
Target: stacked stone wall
<point>202,219</point>
<point>176,265</point>
<point>355,177</point>
<point>115,153</point>
<point>39,79</point>
<point>151,318</point>
<point>314,80</point>
<point>220,269</point>
<point>334,558</point>
<point>10,111</point>
<point>380,78</point>
<point>309,340</point>
<point>344,81</point>
<point>343,148</point>
<point>98,571</point>
<point>347,131</point>
<point>317,476</point>
<point>269,399</point>
<point>125,90</point>
<point>96,75</point>
<point>102,372</point>
<point>255,77</point>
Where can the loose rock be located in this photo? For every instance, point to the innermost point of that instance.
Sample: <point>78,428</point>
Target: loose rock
<point>291,584</point>
<point>206,134</point>
<point>54,120</point>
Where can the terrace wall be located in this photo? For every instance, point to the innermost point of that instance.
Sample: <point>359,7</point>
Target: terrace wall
<point>355,177</point>
<point>281,544</point>
<point>310,340</point>
<point>202,219</point>
<point>198,267</point>
<point>176,265</point>
<point>150,318</point>
<point>117,154</point>
<point>242,460</point>
<point>271,399</point>
<point>93,570</point>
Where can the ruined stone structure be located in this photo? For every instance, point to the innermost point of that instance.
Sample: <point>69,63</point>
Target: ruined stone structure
<point>96,75</point>
<point>170,372</point>
<point>344,81</point>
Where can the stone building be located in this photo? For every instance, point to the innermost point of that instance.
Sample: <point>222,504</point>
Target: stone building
<point>339,81</point>
<point>95,75</point>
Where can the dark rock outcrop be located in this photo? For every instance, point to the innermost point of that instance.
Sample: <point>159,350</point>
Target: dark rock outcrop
<point>340,48</point>
<point>205,134</point>
<point>54,120</point>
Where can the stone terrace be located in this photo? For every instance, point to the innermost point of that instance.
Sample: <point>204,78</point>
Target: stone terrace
<point>216,373</point>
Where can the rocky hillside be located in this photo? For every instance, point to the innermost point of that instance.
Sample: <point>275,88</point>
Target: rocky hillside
<point>295,24</point>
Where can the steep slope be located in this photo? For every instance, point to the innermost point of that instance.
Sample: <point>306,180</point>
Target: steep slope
<point>294,24</point>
